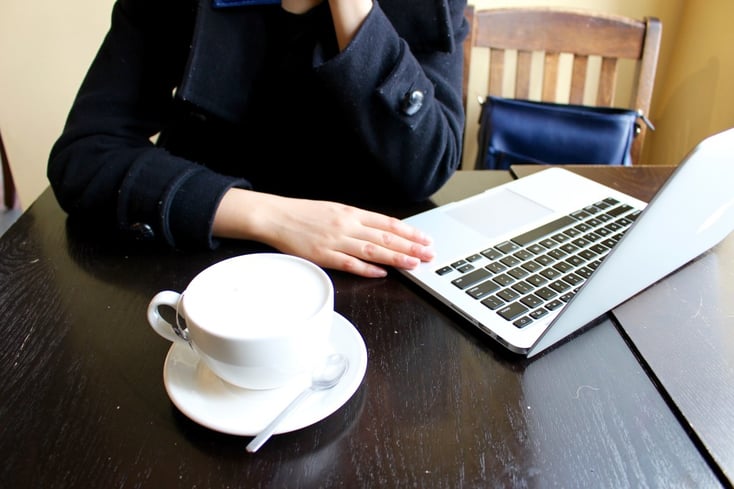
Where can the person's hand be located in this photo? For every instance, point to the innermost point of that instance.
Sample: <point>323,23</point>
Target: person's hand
<point>347,16</point>
<point>330,234</point>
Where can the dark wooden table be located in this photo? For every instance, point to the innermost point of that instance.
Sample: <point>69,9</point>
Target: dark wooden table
<point>83,404</point>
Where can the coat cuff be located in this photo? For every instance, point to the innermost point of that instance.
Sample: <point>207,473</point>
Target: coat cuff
<point>172,200</point>
<point>193,206</point>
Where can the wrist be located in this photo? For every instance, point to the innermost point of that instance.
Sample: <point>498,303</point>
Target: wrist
<point>241,214</point>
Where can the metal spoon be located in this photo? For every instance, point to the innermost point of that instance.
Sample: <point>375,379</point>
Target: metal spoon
<point>325,376</point>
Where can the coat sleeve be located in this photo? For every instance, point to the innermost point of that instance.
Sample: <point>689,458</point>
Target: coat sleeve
<point>104,168</point>
<point>401,90</point>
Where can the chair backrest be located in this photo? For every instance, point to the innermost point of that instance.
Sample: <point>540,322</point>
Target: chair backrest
<point>528,47</point>
<point>9,191</point>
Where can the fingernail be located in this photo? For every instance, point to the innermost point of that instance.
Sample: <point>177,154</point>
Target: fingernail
<point>378,272</point>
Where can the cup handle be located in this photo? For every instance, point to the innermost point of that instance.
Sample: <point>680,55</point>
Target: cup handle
<point>171,332</point>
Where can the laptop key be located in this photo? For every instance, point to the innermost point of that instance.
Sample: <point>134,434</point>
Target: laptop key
<point>523,255</point>
<point>493,302</point>
<point>522,287</point>
<point>618,211</point>
<point>496,267</point>
<point>536,249</point>
<point>553,305</point>
<point>491,254</point>
<point>557,254</point>
<point>522,322</point>
<point>508,294</point>
<point>587,255</point>
<point>550,273</point>
<point>512,311</point>
<point>531,266</point>
<point>584,272</point>
<point>510,261</point>
<point>563,266</point>
<point>518,272</point>
<point>536,280</point>
<point>483,289</point>
<point>531,300</point>
<point>470,279</point>
<point>504,279</point>
<point>577,260</point>
<point>538,313</point>
<point>581,214</point>
<point>573,279</point>
<point>543,231</point>
<point>546,293</point>
<point>507,247</point>
<point>567,297</point>
<point>559,286</point>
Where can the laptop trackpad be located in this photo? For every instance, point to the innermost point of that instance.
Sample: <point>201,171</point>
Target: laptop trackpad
<point>499,212</point>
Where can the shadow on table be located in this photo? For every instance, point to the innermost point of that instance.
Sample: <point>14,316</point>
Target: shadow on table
<point>308,455</point>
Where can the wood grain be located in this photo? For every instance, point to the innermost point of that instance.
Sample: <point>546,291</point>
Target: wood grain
<point>82,400</point>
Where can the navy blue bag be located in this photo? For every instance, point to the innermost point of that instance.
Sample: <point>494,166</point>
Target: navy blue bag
<point>513,131</point>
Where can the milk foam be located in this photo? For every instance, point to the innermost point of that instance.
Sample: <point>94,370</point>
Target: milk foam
<point>261,294</point>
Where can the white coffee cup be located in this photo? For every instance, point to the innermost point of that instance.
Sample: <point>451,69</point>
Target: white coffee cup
<point>256,320</point>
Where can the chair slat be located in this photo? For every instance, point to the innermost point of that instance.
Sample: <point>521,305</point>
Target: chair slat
<point>522,74</point>
<point>551,63</point>
<point>607,82</point>
<point>578,80</point>
<point>496,72</point>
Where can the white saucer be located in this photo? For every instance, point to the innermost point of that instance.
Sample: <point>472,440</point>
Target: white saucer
<point>221,406</point>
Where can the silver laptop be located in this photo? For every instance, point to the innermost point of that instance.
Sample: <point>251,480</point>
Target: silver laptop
<point>534,260</point>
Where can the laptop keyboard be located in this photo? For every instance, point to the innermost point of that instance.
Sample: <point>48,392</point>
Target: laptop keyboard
<point>537,272</point>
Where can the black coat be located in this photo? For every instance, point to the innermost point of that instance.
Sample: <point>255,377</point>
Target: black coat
<point>182,102</point>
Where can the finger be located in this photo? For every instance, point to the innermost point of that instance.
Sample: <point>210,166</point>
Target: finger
<point>367,251</point>
<point>350,263</point>
<point>396,247</point>
<point>395,226</point>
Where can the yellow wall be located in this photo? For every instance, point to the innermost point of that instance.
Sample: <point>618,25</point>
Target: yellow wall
<point>695,99</point>
<point>46,46</point>
<point>45,49</point>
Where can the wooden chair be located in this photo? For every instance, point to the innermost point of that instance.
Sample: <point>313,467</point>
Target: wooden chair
<point>540,40</point>
<point>9,191</point>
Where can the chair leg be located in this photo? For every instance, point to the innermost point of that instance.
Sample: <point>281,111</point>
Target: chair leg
<point>9,192</point>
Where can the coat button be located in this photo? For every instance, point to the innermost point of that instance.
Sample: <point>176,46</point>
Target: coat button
<point>412,102</point>
<point>142,231</point>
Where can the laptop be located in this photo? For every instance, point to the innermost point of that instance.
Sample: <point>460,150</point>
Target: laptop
<point>532,261</point>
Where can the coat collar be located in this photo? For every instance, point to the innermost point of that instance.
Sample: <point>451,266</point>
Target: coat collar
<point>226,53</point>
